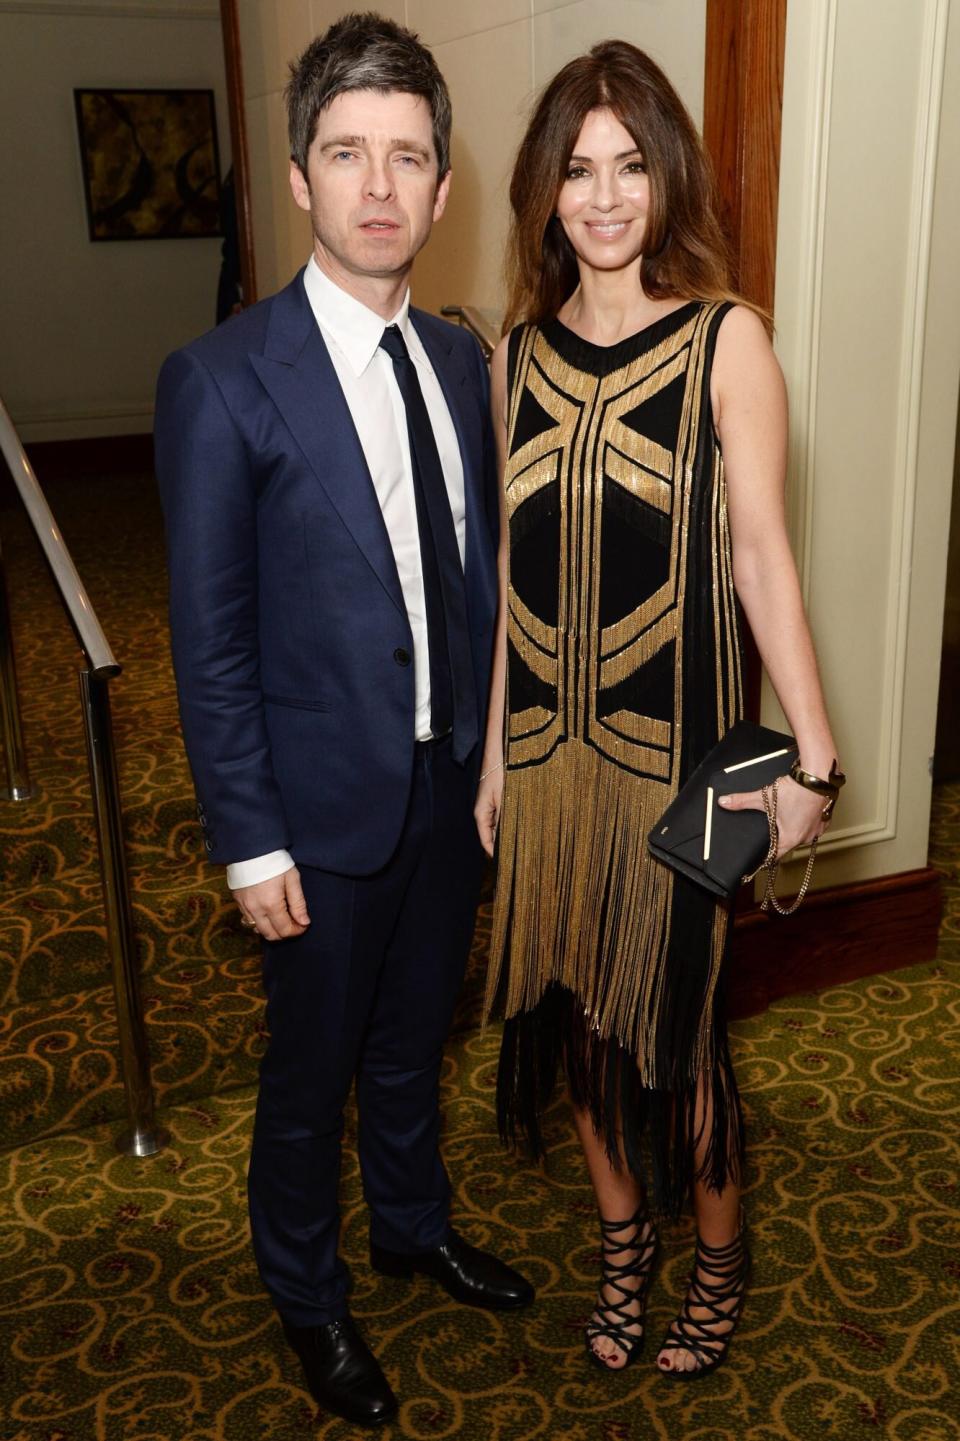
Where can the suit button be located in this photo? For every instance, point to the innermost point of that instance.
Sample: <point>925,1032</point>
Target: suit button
<point>209,845</point>
<point>401,656</point>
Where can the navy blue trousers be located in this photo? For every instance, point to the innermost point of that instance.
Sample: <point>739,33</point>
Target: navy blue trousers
<point>367,992</point>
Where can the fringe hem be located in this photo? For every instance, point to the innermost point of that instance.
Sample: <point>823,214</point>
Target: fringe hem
<point>653,1132</point>
<point>572,848</point>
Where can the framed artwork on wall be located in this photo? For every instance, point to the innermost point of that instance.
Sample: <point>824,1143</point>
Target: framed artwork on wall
<point>151,166</point>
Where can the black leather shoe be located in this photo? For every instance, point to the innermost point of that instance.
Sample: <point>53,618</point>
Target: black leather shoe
<point>342,1373</point>
<point>473,1277</point>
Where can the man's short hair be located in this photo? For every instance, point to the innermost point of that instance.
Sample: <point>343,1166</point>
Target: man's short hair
<point>364,52</point>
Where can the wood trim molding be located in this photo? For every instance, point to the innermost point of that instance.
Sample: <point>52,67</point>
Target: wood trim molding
<point>743,102</point>
<point>837,935</point>
<point>815,66</point>
<point>742,108</point>
<point>233,60</point>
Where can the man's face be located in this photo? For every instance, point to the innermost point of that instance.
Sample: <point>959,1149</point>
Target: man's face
<point>371,184</point>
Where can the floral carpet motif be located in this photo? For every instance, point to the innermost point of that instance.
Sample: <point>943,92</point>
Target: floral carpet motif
<point>129,1303</point>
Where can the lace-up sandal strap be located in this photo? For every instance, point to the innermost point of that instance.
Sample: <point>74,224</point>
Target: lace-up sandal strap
<point>636,1222</point>
<point>613,1278</point>
<point>721,1256</point>
<point>612,1246</point>
<point>612,1318</point>
<point>701,1336</point>
<point>643,1248</point>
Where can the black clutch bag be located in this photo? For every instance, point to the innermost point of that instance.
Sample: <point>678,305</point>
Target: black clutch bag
<point>697,837</point>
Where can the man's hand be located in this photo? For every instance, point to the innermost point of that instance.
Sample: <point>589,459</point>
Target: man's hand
<point>486,811</point>
<point>276,907</point>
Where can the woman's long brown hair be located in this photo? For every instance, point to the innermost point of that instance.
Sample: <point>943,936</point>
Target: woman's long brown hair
<point>684,251</point>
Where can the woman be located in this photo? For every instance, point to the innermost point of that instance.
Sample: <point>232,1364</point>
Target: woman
<point>641,419</point>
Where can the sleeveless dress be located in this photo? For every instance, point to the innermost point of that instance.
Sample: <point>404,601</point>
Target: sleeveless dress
<point>623,669</point>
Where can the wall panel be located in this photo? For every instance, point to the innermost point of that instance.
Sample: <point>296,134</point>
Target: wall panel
<point>865,197</point>
<point>464,261</point>
<point>673,34</point>
<point>438,21</point>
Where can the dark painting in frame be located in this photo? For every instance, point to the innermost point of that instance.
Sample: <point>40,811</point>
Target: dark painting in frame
<point>151,165</point>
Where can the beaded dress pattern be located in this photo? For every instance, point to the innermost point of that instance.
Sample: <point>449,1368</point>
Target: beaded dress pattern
<point>624,668</point>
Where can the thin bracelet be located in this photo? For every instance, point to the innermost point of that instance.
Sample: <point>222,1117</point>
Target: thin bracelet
<point>497,767</point>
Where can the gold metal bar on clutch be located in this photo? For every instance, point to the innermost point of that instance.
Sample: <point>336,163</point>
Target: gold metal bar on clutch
<point>755,760</point>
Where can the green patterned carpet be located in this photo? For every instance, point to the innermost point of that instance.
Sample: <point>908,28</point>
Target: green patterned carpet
<point>129,1304</point>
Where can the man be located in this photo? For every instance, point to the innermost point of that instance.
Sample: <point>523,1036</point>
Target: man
<point>327,473</point>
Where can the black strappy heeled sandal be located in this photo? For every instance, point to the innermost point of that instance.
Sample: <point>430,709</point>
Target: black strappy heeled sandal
<point>613,1319</point>
<point>727,1268</point>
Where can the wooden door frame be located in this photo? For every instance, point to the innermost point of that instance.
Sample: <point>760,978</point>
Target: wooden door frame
<point>233,62</point>
<point>742,109</point>
<point>743,105</point>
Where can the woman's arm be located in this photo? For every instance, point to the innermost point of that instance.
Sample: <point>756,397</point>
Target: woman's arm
<point>750,414</point>
<point>490,790</point>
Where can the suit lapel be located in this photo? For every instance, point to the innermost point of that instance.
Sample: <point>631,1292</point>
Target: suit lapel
<point>298,375</point>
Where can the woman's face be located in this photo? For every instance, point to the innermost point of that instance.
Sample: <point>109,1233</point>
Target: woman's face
<point>604,200</point>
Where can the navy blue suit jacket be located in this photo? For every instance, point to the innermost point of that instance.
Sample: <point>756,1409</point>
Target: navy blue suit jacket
<point>290,637</point>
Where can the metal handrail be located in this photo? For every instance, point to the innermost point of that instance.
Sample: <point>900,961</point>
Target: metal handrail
<point>143,1136</point>
<point>11,726</point>
<point>485,329</point>
<point>72,592</point>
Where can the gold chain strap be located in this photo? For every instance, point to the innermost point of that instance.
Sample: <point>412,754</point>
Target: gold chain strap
<point>771,863</point>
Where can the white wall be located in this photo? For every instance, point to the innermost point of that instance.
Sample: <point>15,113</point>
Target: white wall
<point>495,55</point>
<point>84,326</point>
<point>868,319</point>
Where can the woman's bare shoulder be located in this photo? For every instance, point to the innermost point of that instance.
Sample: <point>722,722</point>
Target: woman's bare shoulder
<point>744,346</point>
<point>743,326</point>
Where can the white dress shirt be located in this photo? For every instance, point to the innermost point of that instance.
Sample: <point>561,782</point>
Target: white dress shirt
<point>352,335</point>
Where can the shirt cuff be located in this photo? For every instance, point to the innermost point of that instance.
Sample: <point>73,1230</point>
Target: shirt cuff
<point>259,868</point>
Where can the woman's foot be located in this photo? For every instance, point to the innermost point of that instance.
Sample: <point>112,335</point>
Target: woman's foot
<point>614,1333</point>
<point>698,1340</point>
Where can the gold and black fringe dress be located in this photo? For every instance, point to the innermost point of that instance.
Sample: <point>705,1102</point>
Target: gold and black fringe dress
<point>623,670</point>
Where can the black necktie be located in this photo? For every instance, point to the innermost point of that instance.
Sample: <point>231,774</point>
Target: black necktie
<point>453,697</point>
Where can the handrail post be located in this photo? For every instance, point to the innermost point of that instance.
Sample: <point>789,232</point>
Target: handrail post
<point>480,325</point>
<point>18,778</point>
<point>144,1137</point>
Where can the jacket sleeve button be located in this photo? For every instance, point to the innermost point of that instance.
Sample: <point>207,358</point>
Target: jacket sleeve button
<point>401,656</point>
